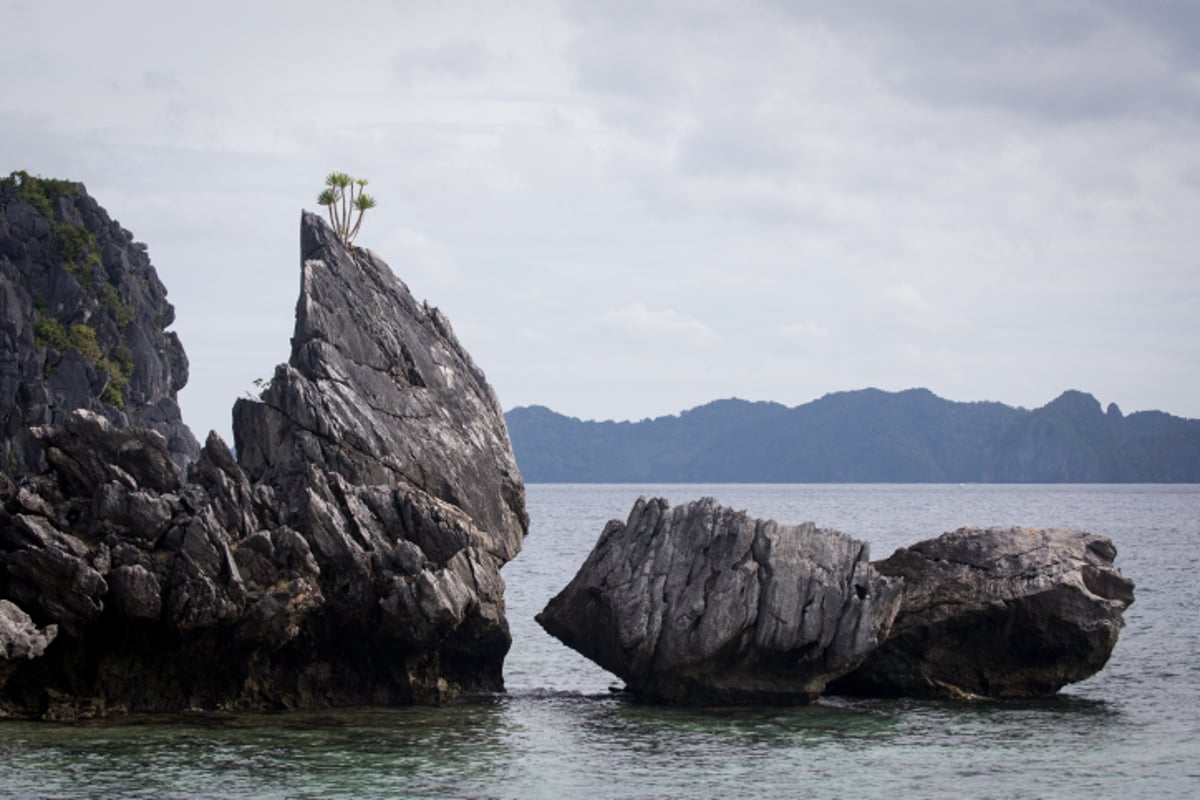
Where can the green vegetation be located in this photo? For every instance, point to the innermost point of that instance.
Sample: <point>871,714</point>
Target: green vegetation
<point>112,394</point>
<point>342,196</point>
<point>122,312</point>
<point>38,192</point>
<point>51,333</point>
<point>73,242</point>
<point>124,357</point>
<point>79,249</point>
<point>83,339</point>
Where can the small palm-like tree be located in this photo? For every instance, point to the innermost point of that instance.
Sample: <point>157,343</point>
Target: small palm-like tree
<point>342,196</point>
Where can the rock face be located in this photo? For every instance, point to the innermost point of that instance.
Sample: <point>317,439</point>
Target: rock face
<point>704,605</point>
<point>351,557</point>
<point>82,323</point>
<point>20,639</point>
<point>997,613</point>
<point>383,442</point>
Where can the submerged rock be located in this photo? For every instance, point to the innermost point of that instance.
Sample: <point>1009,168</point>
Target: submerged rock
<point>1008,612</point>
<point>701,604</point>
<point>351,557</point>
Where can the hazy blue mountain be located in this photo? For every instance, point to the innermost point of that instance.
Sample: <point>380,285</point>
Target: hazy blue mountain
<point>869,435</point>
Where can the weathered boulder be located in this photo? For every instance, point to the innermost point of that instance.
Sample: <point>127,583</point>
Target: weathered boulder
<point>352,556</point>
<point>700,604</point>
<point>1001,612</point>
<point>20,639</point>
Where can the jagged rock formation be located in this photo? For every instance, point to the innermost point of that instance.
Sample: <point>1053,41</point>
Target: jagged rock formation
<point>384,443</point>
<point>162,595</point>
<point>997,613</point>
<point>82,323</point>
<point>704,605</point>
<point>352,557</point>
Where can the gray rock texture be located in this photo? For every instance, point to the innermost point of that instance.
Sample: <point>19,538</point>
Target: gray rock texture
<point>700,604</point>
<point>1001,612</point>
<point>20,639</point>
<point>385,445</point>
<point>351,557</point>
<point>82,323</point>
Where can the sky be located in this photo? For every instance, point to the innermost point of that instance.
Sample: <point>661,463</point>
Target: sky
<point>628,209</point>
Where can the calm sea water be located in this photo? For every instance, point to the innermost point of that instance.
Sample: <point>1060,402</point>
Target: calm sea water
<point>1132,730</point>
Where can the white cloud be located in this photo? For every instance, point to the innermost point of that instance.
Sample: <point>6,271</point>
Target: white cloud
<point>638,320</point>
<point>823,184</point>
<point>806,332</point>
<point>909,297</point>
<point>411,253</point>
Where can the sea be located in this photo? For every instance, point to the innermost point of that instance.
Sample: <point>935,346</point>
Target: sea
<point>559,732</point>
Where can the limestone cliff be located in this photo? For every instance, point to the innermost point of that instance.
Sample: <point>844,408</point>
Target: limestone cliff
<point>83,320</point>
<point>352,557</point>
<point>383,442</point>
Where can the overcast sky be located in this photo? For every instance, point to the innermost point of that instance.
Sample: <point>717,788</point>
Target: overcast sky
<point>631,208</point>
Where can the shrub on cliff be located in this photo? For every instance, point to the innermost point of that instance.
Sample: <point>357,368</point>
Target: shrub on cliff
<point>342,196</point>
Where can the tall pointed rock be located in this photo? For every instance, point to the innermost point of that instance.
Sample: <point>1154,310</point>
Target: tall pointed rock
<point>382,443</point>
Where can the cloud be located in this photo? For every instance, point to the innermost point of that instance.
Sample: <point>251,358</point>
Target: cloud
<point>457,58</point>
<point>806,332</point>
<point>791,182</point>
<point>908,296</point>
<point>412,252</point>
<point>637,319</point>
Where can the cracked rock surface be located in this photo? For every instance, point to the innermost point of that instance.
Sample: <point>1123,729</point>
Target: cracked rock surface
<point>350,555</point>
<point>998,612</point>
<point>701,604</point>
<point>68,271</point>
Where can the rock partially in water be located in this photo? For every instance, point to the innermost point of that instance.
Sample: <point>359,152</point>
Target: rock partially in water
<point>1009,612</point>
<point>351,557</point>
<point>382,442</point>
<point>701,604</point>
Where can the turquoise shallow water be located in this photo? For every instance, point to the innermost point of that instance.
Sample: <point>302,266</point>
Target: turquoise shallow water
<point>559,733</point>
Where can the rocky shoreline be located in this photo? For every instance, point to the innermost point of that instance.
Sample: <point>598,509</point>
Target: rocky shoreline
<point>350,555</point>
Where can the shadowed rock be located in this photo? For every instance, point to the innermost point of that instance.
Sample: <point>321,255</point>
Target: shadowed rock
<point>384,444</point>
<point>20,639</point>
<point>83,320</point>
<point>351,557</point>
<point>997,613</point>
<point>704,605</point>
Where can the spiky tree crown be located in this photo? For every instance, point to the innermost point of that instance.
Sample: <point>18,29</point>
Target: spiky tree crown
<point>342,196</point>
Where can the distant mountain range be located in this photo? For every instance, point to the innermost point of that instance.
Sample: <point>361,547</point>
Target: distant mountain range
<point>863,436</point>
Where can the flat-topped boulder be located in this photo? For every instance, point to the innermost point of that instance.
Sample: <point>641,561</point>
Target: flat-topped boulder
<point>999,612</point>
<point>701,604</point>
